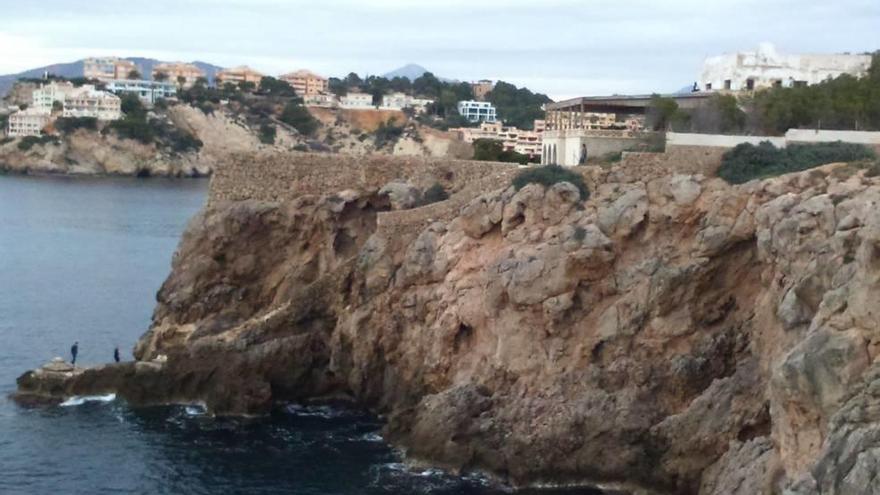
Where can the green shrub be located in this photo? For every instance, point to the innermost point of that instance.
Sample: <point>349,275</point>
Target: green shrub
<point>548,175</point>
<point>70,124</point>
<point>267,133</point>
<point>747,161</point>
<point>29,142</point>
<point>491,150</point>
<point>296,116</point>
<point>133,127</point>
<point>387,132</point>
<point>434,194</point>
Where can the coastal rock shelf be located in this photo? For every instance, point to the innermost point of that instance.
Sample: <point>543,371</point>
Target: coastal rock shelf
<point>672,332</point>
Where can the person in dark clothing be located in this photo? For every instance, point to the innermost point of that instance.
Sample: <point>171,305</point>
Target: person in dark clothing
<point>74,350</point>
<point>116,354</point>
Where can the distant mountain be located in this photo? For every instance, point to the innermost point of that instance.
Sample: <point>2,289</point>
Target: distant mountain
<point>75,69</point>
<point>409,71</point>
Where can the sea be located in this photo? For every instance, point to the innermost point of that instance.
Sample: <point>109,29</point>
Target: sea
<point>81,260</point>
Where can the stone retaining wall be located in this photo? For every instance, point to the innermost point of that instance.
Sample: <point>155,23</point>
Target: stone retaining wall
<point>283,176</point>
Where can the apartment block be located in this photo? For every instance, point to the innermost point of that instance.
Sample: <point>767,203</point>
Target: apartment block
<point>766,68</point>
<point>513,139</point>
<point>29,122</point>
<point>86,101</point>
<point>477,111</point>
<point>108,68</point>
<point>305,82</point>
<point>399,101</point>
<point>182,74</point>
<point>356,101</point>
<point>147,91</point>
<point>240,74</point>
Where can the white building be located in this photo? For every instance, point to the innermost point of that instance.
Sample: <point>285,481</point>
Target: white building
<point>46,95</point>
<point>29,122</point>
<point>477,111</point>
<point>83,101</point>
<point>358,101</point>
<point>147,91</point>
<point>320,100</point>
<point>765,68</point>
<point>399,101</point>
<point>86,101</point>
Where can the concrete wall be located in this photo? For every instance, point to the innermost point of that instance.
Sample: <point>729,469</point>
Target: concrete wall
<point>718,140</point>
<point>566,146</point>
<point>792,136</point>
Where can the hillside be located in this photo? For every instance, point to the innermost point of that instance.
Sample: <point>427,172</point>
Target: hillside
<point>75,69</point>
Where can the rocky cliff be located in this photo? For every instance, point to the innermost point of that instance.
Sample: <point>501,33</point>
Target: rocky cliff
<point>672,333</point>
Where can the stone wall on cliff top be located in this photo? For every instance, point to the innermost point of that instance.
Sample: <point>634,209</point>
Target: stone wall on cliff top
<point>284,176</point>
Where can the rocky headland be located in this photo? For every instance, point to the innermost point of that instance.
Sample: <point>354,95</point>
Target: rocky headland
<point>672,333</point>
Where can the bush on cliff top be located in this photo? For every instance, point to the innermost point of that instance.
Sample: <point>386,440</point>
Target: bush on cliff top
<point>548,175</point>
<point>747,161</point>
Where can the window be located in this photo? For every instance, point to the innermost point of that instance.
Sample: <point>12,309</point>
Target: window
<point>727,84</point>
<point>708,86</point>
<point>777,83</point>
<point>750,84</point>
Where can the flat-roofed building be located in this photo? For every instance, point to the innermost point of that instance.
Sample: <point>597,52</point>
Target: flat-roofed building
<point>320,100</point>
<point>766,68</point>
<point>108,68</point>
<point>521,141</point>
<point>147,91</point>
<point>305,82</point>
<point>182,74</point>
<point>240,74</point>
<point>356,101</point>
<point>44,97</point>
<point>28,122</point>
<point>399,101</point>
<point>86,101</point>
<point>477,111</point>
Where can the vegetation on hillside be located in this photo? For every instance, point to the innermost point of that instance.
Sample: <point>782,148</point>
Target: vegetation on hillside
<point>516,106</point>
<point>747,161</point>
<point>138,125</point>
<point>387,133</point>
<point>71,124</point>
<point>548,175</point>
<point>29,142</point>
<point>492,150</point>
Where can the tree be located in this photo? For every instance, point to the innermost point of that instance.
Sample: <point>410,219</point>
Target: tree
<point>493,151</point>
<point>160,76</point>
<point>515,106</point>
<point>57,106</point>
<point>352,80</point>
<point>134,74</point>
<point>181,81</point>
<point>663,114</point>
<point>267,133</point>
<point>298,117</point>
<point>275,87</point>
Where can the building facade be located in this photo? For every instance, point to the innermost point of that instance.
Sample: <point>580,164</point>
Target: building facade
<point>108,68</point>
<point>305,82</point>
<point>482,88</point>
<point>513,139</point>
<point>44,97</point>
<point>147,91</point>
<point>399,101</point>
<point>240,74</point>
<point>86,101</point>
<point>477,111</point>
<point>356,101</point>
<point>326,100</point>
<point>182,74</point>
<point>766,68</point>
<point>28,122</point>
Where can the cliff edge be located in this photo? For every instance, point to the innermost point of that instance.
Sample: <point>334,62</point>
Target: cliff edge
<point>671,333</point>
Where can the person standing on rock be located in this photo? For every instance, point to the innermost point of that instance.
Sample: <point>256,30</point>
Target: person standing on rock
<point>74,350</point>
<point>116,354</point>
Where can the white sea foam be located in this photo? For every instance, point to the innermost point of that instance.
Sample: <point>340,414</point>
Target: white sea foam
<point>77,400</point>
<point>195,409</point>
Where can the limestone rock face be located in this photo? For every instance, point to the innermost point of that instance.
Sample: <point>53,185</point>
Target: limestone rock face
<point>672,332</point>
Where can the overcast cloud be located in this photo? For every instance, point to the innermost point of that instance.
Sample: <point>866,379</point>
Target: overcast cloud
<point>563,48</point>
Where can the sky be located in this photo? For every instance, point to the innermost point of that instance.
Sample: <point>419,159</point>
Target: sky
<point>563,48</point>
